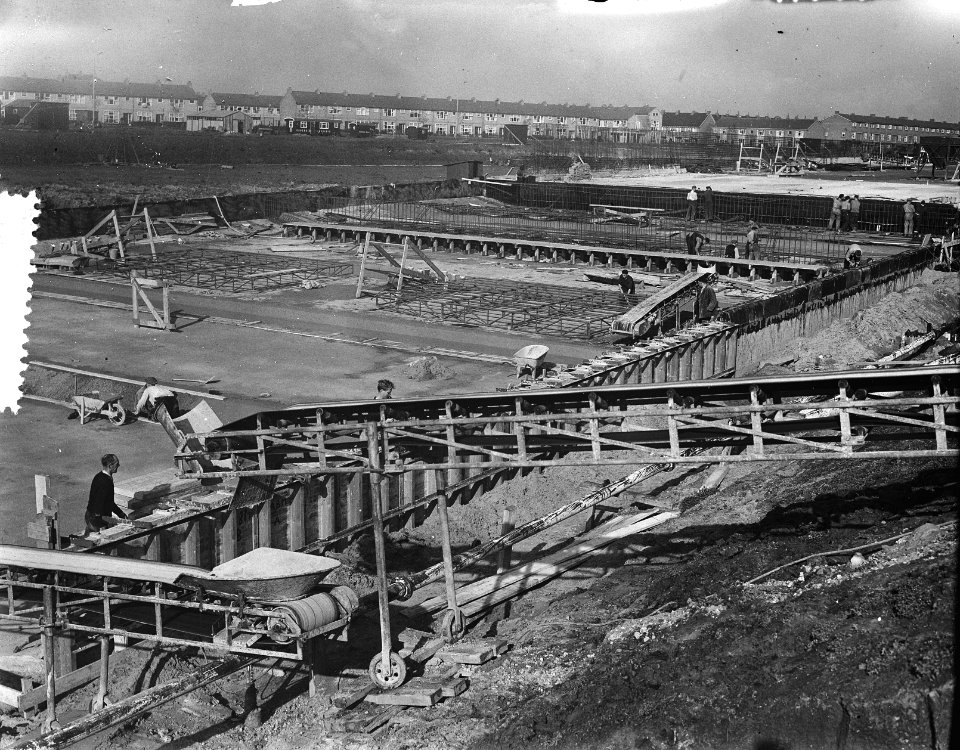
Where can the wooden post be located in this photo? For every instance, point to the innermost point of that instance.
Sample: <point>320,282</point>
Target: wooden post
<point>49,659</point>
<point>228,536</point>
<point>363,265</point>
<point>403,260</point>
<point>136,302</point>
<point>939,416</point>
<point>116,226</point>
<point>150,233</point>
<point>295,520</point>
<point>756,422</point>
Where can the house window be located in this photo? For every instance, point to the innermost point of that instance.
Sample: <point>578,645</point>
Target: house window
<point>144,101</point>
<point>441,115</point>
<point>111,100</point>
<point>256,110</point>
<point>363,110</point>
<point>389,112</point>
<point>72,114</point>
<point>324,126</point>
<point>178,103</point>
<point>467,115</point>
<point>414,113</point>
<point>334,110</point>
<point>111,116</point>
<point>514,118</point>
<point>389,127</point>
<point>490,118</point>
<point>562,120</point>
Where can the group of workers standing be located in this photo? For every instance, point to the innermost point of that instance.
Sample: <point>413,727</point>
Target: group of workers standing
<point>844,214</point>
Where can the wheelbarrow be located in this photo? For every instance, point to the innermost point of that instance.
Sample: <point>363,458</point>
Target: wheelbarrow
<point>530,358</point>
<point>89,405</point>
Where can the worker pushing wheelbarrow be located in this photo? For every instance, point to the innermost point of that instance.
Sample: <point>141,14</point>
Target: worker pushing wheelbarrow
<point>530,359</point>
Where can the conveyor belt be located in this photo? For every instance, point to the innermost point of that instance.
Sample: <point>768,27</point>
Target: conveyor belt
<point>507,429</point>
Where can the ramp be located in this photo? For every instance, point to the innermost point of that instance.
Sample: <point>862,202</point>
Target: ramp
<point>632,322</point>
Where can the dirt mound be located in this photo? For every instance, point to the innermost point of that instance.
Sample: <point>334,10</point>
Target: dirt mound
<point>428,368</point>
<point>876,331</point>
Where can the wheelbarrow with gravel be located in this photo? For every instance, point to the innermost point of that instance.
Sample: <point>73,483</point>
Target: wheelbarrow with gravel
<point>530,359</point>
<point>90,405</point>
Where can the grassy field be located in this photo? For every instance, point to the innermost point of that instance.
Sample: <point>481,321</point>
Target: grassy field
<point>176,148</point>
<point>110,165</point>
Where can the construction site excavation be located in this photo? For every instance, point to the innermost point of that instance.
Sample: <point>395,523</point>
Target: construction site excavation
<point>338,435</point>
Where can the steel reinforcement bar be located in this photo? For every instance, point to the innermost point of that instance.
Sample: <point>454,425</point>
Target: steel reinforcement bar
<point>610,425</point>
<point>527,248</point>
<point>224,269</point>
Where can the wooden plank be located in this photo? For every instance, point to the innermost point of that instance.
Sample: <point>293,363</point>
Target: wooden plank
<point>468,653</point>
<point>76,371</point>
<point>405,696</point>
<point>70,681</point>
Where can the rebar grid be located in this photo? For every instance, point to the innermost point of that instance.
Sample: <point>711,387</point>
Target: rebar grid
<point>223,269</point>
<point>516,306</point>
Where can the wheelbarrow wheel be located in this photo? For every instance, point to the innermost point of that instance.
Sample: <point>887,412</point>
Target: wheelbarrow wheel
<point>117,414</point>
<point>388,679</point>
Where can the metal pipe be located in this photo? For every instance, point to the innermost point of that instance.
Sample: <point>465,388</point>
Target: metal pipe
<point>404,586</point>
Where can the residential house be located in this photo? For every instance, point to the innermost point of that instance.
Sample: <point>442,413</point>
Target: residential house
<point>109,102</point>
<point>232,121</point>
<point>686,126</point>
<point>263,109</point>
<point>752,130</point>
<point>879,129</point>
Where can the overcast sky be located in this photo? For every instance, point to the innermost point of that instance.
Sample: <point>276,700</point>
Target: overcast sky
<point>893,57</point>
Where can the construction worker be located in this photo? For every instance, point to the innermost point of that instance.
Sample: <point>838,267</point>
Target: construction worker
<point>752,240</point>
<point>692,198</point>
<point>854,254</point>
<point>834,222</point>
<point>708,203</point>
<point>384,390</point>
<point>152,396</point>
<point>695,241</point>
<point>706,306</point>
<point>626,283</point>
<point>101,503</point>
<point>909,212</point>
<point>845,214</point>
<point>854,221</point>
<point>731,251</point>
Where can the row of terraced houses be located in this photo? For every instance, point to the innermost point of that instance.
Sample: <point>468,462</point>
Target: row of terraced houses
<point>89,100</point>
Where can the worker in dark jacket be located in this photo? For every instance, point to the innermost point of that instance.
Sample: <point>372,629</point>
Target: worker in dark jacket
<point>706,306</point>
<point>101,503</point>
<point>627,284</point>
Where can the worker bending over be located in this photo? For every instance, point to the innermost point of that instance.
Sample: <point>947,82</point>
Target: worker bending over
<point>696,241</point>
<point>152,396</point>
<point>101,503</point>
<point>626,283</point>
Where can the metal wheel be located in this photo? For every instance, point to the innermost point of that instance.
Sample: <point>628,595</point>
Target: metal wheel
<point>396,675</point>
<point>117,414</point>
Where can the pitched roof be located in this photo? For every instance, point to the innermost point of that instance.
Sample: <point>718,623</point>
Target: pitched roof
<point>684,119</point>
<point>478,106</point>
<point>246,100</point>
<point>84,85</point>
<point>905,121</point>
<point>764,122</point>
